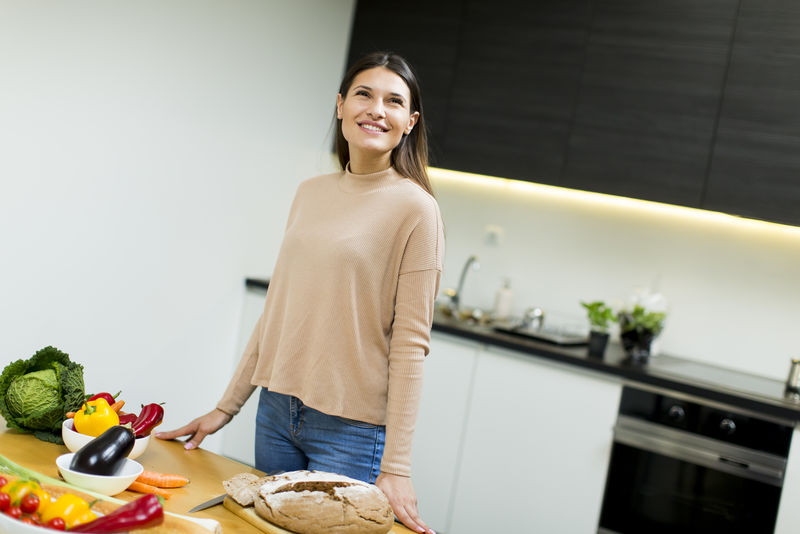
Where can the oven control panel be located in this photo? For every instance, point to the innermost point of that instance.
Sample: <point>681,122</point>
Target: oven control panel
<point>711,421</point>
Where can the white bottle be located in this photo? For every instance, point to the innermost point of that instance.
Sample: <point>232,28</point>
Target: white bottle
<point>503,300</point>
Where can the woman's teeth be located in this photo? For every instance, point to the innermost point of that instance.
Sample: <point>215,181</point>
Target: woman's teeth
<point>371,128</point>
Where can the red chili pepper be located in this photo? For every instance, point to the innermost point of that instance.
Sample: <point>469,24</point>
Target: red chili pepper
<point>110,399</point>
<point>144,512</point>
<point>149,418</point>
<point>127,418</point>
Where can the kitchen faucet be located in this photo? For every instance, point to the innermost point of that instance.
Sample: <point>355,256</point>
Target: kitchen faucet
<point>455,296</point>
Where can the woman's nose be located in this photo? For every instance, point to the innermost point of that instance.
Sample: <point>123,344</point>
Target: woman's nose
<point>376,110</point>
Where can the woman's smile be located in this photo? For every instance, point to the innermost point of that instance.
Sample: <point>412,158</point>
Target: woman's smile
<point>372,127</point>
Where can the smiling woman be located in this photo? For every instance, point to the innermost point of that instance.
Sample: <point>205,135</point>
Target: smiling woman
<point>339,348</point>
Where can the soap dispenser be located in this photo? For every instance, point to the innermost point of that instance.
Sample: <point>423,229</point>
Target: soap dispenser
<point>503,300</point>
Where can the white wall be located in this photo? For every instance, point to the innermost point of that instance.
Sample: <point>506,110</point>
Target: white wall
<point>149,151</point>
<point>732,285</point>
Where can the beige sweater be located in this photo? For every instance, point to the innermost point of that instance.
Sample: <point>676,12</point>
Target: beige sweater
<point>347,319</point>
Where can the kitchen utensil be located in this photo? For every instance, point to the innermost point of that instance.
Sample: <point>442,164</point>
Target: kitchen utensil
<point>209,503</point>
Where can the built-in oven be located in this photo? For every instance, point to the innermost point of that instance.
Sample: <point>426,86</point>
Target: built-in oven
<point>681,464</point>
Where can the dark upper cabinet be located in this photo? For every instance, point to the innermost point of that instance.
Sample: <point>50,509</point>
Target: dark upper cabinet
<point>677,101</point>
<point>755,169</point>
<point>649,97</point>
<point>516,79</point>
<point>427,34</point>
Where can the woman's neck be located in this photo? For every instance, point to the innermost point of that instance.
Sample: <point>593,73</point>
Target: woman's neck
<point>368,164</point>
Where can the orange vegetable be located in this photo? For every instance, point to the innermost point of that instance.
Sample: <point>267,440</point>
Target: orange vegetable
<point>141,487</point>
<point>70,415</point>
<point>162,480</point>
<point>117,406</point>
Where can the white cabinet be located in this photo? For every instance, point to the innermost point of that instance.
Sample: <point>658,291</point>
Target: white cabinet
<point>449,371</point>
<point>536,447</point>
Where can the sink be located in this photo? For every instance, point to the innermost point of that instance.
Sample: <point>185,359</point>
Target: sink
<point>548,335</point>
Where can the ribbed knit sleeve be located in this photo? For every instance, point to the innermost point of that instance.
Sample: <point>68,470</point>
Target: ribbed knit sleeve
<point>417,287</point>
<point>410,344</point>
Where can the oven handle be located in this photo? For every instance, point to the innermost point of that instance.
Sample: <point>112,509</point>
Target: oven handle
<point>699,450</point>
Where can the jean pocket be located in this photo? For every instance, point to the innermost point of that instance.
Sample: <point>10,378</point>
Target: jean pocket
<point>354,422</point>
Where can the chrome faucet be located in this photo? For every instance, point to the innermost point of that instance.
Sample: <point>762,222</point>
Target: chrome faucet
<point>455,296</point>
<point>533,319</point>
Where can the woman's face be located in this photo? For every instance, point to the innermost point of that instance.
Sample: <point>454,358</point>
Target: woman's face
<point>375,112</point>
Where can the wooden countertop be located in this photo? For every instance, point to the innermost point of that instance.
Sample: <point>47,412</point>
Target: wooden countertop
<point>205,470</point>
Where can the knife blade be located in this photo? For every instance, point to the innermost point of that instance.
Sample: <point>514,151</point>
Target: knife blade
<point>209,503</point>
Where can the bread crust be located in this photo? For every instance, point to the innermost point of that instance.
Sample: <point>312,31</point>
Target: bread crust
<point>315,502</point>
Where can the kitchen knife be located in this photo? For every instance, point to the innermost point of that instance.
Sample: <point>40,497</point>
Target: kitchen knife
<point>209,503</point>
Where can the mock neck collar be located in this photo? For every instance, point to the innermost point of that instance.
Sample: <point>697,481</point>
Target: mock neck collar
<point>364,183</point>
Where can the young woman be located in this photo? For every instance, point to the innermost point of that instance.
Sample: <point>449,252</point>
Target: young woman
<point>339,349</point>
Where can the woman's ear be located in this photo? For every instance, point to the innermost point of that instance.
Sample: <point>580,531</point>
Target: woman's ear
<point>412,120</point>
<point>339,102</point>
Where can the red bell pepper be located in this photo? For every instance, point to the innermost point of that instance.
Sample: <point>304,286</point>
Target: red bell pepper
<point>144,512</point>
<point>149,418</point>
<point>127,418</point>
<point>110,399</point>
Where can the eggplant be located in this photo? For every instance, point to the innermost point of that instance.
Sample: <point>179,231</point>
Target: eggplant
<point>105,454</point>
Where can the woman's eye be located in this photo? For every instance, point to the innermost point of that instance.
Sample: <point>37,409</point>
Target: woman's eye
<point>398,101</point>
<point>362,92</point>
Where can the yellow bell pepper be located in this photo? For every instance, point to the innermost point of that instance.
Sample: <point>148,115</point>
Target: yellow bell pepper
<point>95,417</point>
<point>71,508</point>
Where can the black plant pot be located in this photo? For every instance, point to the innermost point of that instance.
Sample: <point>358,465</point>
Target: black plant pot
<point>597,343</point>
<point>637,344</point>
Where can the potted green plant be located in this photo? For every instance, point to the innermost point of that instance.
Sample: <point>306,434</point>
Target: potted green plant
<point>600,318</point>
<point>638,328</point>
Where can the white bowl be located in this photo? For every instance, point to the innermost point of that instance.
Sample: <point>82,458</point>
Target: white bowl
<point>9,525</point>
<point>107,485</point>
<point>75,440</point>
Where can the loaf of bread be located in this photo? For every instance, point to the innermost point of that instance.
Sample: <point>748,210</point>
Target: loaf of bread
<point>315,502</point>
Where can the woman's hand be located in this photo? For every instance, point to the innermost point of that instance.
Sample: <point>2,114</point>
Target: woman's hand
<point>400,492</point>
<point>198,429</point>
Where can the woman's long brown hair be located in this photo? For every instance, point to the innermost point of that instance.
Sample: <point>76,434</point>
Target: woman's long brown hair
<point>410,157</point>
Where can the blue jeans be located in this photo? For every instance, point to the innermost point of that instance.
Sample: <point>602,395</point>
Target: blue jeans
<point>291,436</point>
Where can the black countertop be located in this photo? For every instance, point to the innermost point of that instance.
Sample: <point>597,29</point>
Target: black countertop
<point>736,389</point>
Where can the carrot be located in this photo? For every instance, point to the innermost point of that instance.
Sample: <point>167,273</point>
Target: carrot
<point>70,415</point>
<point>162,480</point>
<point>117,406</point>
<point>141,487</point>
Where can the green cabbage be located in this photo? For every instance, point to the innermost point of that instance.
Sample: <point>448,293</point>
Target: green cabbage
<point>36,394</point>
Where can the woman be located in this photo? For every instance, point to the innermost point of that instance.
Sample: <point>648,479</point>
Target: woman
<point>339,348</point>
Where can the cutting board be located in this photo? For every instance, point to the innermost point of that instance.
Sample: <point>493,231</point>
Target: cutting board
<point>249,514</point>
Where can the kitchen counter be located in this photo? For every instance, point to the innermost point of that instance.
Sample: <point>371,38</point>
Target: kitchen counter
<point>761,395</point>
<point>764,396</point>
<point>205,470</point>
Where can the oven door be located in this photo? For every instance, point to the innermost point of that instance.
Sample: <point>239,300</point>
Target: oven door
<point>662,480</point>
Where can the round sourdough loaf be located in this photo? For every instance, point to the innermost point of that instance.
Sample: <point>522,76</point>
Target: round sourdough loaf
<point>315,502</point>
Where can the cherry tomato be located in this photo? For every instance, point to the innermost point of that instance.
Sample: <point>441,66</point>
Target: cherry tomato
<point>5,501</point>
<point>27,520</point>
<point>57,523</point>
<point>14,511</point>
<point>3,481</point>
<point>29,503</point>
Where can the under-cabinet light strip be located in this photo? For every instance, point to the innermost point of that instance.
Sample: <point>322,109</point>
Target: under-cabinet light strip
<point>610,200</point>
